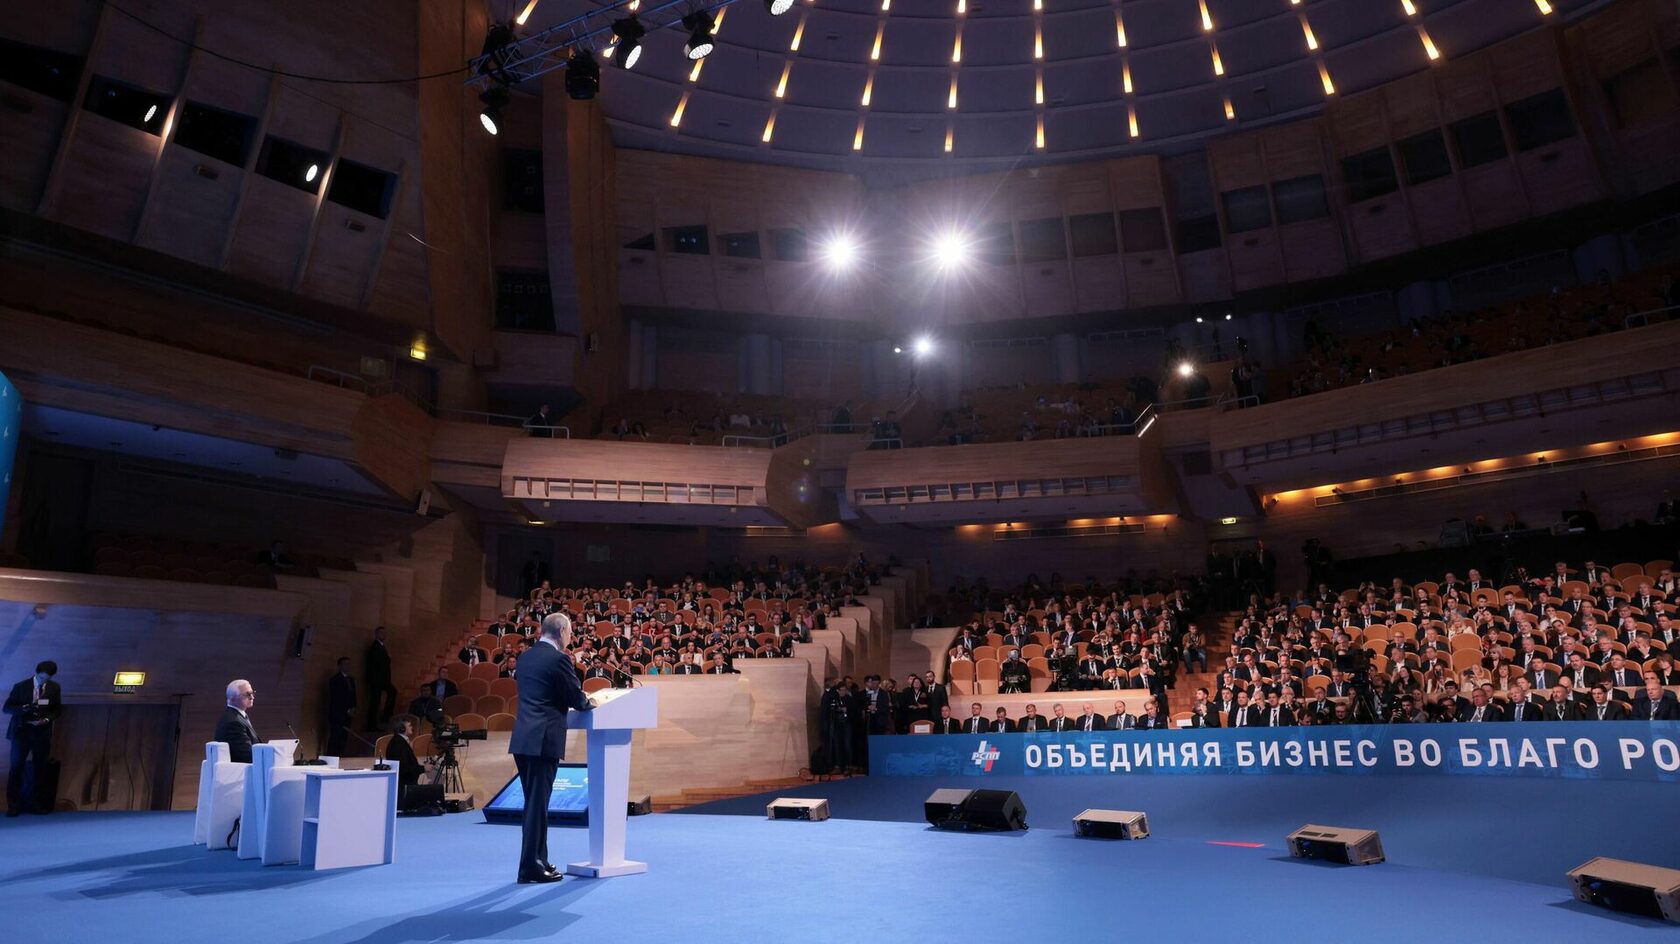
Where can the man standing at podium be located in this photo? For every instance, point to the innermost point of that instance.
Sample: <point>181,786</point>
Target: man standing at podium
<point>548,685</point>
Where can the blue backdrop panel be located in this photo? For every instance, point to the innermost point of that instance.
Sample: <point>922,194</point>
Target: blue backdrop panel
<point>11,429</point>
<point>1586,750</point>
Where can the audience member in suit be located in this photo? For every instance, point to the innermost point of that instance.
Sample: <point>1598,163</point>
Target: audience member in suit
<point>1089,720</point>
<point>1522,709</point>
<point>1562,706</point>
<point>1605,708</point>
<point>548,686</point>
<point>1152,718</point>
<point>341,705</point>
<point>945,724</point>
<point>1540,677</point>
<point>1654,704</point>
<point>1032,721</point>
<point>1244,714</point>
<point>423,704</point>
<point>442,687</point>
<point>1061,722</point>
<point>1581,671</point>
<point>1623,675</point>
<point>401,750</point>
<point>938,696</point>
<point>877,706</point>
<point>1480,708</point>
<point>1204,715</point>
<point>1275,715</point>
<point>33,705</point>
<point>1121,720</point>
<point>376,672</point>
<point>976,722</point>
<point>473,655</point>
<point>235,729</point>
<point>1002,723</point>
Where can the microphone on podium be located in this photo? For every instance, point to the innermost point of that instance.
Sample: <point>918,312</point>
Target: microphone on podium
<point>302,762</point>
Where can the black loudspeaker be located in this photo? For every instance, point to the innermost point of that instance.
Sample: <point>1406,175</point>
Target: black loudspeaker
<point>998,810</point>
<point>1648,890</point>
<point>640,806</point>
<point>1336,844</point>
<point>420,796</point>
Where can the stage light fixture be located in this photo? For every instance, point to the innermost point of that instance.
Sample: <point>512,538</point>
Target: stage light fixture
<point>583,76</point>
<point>897,349</point>
<point>629,32</point>
<point>840,251</point>
<point>150,114</point>
<point>1185,368</point>
<point>699,25</point>
<point>494,99</point>
<point>950,249</point>
<point>777,7</point>
<point>922,346</point>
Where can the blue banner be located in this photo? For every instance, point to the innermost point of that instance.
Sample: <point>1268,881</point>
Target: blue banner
<point>11,430</point>
<point>1588,750</point>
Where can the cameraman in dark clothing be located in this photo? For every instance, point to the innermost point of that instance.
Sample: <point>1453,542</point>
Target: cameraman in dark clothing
<point>836,711</point>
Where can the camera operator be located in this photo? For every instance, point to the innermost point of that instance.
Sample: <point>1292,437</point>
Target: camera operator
<point>401,749</point>
<point>33,704</point>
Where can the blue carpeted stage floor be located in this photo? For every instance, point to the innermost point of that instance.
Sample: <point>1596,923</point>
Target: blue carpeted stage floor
<point>1468,857</point>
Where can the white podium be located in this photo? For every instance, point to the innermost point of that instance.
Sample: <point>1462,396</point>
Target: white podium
<point>349,818</point>
<point>618,711</point>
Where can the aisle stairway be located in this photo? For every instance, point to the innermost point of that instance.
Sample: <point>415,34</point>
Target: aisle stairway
<point>1217,628</point>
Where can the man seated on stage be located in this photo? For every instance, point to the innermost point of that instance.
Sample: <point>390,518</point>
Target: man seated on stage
<point>1121,720</point>
<point>400,749</point>
<point>976,723</point>
<point>945,724</point>
<point>235,729</point>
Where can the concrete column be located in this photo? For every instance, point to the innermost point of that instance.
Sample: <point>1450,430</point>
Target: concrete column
<point>1069,353</point>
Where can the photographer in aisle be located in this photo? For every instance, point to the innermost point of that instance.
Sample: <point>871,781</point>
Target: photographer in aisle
<point>33,705</point>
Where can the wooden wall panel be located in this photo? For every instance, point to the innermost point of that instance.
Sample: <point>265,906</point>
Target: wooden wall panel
<point>1206,275</point>
<point>1439,211</point>
<point>189,213</point>
<point>32,137</point>
<point>1256,259</point>
<point>1099,283</point>
<point>271,233</point>
<point>1495,195</point>
<point>101,177</point>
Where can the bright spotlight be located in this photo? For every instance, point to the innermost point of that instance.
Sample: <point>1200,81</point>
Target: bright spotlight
<point>950,249</point>
<point>1198,319</point>
<point>699,25</point>
<point>923,346</point>
<point>150,114</point>
<point>494,99</point>
<point>778,7</point>
<point>1227,316</point>
<point>310,174</point>
<point>840,251</point>
<point>629,32</point>
<point>897,349</point>
<point>1185,368</point>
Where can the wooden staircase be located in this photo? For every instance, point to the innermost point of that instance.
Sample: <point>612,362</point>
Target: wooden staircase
<point>1217,629</point>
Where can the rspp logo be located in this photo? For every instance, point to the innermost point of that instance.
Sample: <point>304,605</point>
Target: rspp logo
<point>985,756</point>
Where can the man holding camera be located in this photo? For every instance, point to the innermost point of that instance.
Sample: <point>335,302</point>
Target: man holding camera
<point>548,686</point>
<point>33,704</point>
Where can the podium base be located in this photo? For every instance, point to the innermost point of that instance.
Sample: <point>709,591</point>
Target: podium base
<point>590,870</point>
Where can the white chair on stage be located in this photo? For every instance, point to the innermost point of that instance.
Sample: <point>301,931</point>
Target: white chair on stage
<point>267,760</point>
<point>221,796</point>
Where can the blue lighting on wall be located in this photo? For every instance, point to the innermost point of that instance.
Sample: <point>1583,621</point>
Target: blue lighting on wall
<point>11,430</point>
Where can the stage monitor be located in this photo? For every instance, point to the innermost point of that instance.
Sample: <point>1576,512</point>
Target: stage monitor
<point>568,804</point>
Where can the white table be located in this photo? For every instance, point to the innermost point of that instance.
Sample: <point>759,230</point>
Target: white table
<point>349,818</point>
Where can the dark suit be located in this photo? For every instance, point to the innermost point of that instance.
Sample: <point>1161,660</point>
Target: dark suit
<point>1665,709</point>
<point>408,772</point>
<point>1064,723</point>
<point>1279,717</point>
<point>1121,722</point>
<point>976,724</point>
<point>1626,677</point>
<point>341,703</point>
<point>1526,711</point>
<point>31,743</point>
<point>1205,717</point>
<point>1096,722</point>
<point>1562,711</point>
<point>548,686</point>
<point>1153,722</point>
<point>1490,712</point>
<point>1001,726</point>
<point>1609,711</point>
<point>1032,723</point>
<point>947,726</point>
<point>382,695</point>
<point>442,688</point>
<point>235,730</point>
<point>1249,716</point>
